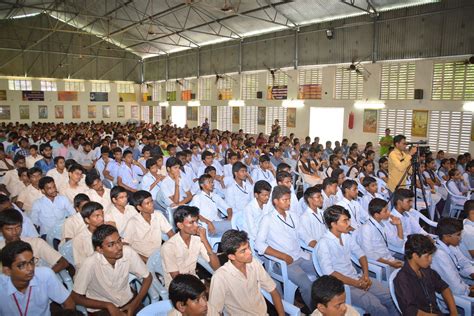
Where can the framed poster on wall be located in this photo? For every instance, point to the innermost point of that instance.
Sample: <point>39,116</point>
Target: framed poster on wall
<point>262,113</point>
<point>291,117</point>
<point>106,111</point>
<point>24,112</point>
<point>134,110</point>
<point>43,112</point>
<point>5,112</point>
<point>59,111</point>
<point>76,111</point>
<point>236,115</point>
<point>91,111</point>
<point>370,121</point>
<point>213,114</point>
<point>419,127</point>
<point>120,111</point>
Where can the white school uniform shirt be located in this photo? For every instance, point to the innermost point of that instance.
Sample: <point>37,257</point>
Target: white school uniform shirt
<point>28,229</point>
<point>130,175</point>
<point>410,226</point>
<point>253,215</point>
<point>147,180</point>
<point>452,264</point>
<point>260,174</point>
<point>104,200</point>
<point>209,205</point>
<point>120,219</point>
<point>167,188</point>
<point>282,234</point>
<point>313,223</point>
<point>203,167</point>
<point>373,240</point>
<point>358,215</point>
<point>100,166</point>
<point>334,257</point>
<point>365,200</point>
<point>46,213</point>
<point>239,196</point>
<point>76,154</point>
<point>30,160</point>
<point>60,179</point>
<point>87,159</point>
<point>328,200</point>
<point>113,168</point>
<point>468,235</point>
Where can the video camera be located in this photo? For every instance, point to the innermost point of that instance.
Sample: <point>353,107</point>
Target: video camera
<point>422,145</point>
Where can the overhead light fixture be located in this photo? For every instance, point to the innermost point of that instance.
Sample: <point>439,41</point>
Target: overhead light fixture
<point>469,106</point>
<point>375,105</point>
<point>194,103</point>
<point>236,103</point>
<point>292,103</point>
<point>330,34</point>
<point>164,104</point>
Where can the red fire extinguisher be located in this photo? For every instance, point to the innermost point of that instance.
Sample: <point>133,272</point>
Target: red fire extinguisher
<point>351,120</point>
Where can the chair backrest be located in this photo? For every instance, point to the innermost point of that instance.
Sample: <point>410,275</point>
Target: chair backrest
<point>154,263</point>
<point>316,264</point>
<point>65,249</point>
<point>157,309</point>
<point>392,288</point>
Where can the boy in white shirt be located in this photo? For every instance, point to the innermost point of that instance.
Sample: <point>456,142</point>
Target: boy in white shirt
<point>59,173</point>
<point>312,219</point>
<point>279,235</point>
<point>448,260</point>
<point>188,295</point>
<point>329,192</point>
<point>236,285</point>
<point>120,212</point>
<point>329,297</point>
<point>210,205</point>
<point>151,181</point>
<point>255,210</point>
<point>74,186</point>
<point>143,231</point>
<point>240,192</point>
<point>232,158</point>
<point>97,192</point>
<point>467,241</point>
<point>33,157</point>
<point>74,224</point>
<point>175,188</point>
<point>219,187</point>
<point>264,171</point>
<point>373,238</point>
<point>358,215</point>
<point>371,187</point>
<point>334,252</point>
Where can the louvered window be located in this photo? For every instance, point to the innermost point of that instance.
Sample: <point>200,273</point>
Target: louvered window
<point>450,131</point>
<point>156,90</point>
<point>145,113</point>
<point>205,88</point>
<point>349,84</point>
<point>398,81</point>
<point>224,118</point>
<point>204,111</point>
<point>276,113</point>
<point>399,122</point>
<point>48,85</point>
<point>310,83</point>
<point>125,88</point>
<point>18,84</point>
<point>100,87</point>
<point>453,81</point>
<point>157,115</point>
<point>249,86</point>
<point>74,86</point>
<point>248,122</point>
<point>224,88</point>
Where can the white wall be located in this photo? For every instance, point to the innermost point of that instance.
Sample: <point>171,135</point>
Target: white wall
<point>423,80</point>
<point>14,100</point>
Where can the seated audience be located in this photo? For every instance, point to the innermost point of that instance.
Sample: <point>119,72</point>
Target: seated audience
<point>255,210</point>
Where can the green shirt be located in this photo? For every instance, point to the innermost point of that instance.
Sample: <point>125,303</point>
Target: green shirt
<point>384,149</point>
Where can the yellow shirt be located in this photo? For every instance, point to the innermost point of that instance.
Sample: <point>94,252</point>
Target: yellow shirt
<point>398,162</point>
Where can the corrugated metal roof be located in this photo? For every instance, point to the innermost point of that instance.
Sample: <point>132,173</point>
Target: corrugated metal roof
<point>149,28</point>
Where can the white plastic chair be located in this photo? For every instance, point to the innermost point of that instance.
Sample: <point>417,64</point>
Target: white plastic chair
<point>278,270</point>
<point>157,288</point>
<point>65,249</point>
<point>463,302</point>
<point>454,208</point>
<point>392,288</point>
<point>289,308</point>
<point>425,219</point>
<point>377,270</point>
<point>157,309</point>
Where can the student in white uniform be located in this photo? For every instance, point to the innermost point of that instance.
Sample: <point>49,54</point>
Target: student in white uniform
<point>402,204</point>
<point>255,210</point>
<point>373,237</point>
<point>468,231</point>
<point>130,173</point>
<point>358,215</point>
<point>208,160</point>
<point>334,252</point>
<point>112,166</point>
<point>232,158</point>
<point>219,187</point>
<point>151,181</point>
<point>264,171</point>
<point>188,295</point>
<point>240,191</point>
<point>279,235</point>
<point>211,206</point>
<point>175,189</point>
<point>312,220</point>
<point>456,186</point>
<point>285,179</point>
<point>329,298</point>
<point>97,192</point>
<point>236,286</point>
<point>371,188</point>
<point>329,192</point>
<point>59,173</point>
<point>120,211</point>
<point>448,260</point>
<point>74,224</point>
<point>101,165</point>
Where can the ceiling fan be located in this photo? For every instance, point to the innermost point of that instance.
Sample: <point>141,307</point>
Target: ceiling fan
<point>357,67</point>
<point>222,76</point>
<point>273,71</point>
